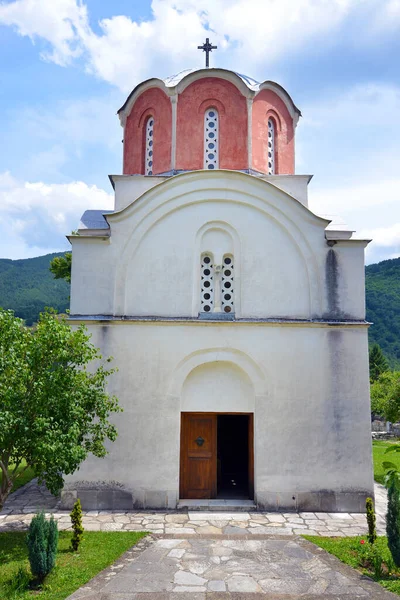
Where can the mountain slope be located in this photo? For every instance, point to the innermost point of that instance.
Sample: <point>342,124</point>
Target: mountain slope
<point>27,286</point>
<point>383,307</point>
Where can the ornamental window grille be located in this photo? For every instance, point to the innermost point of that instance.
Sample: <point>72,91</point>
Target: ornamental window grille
<point>207,283</point>
<point>227,284</point>
<point>271,147</point>
<point>211,139</point>
<point>148,165</point>
<point>217,285</point>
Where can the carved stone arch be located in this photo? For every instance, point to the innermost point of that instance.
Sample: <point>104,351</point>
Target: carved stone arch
<point>212,355</point>
<point>194,188</point>
<point>148,112</point>
<point>212,103</point>
<point>271,113</point>
<point>226,228</point>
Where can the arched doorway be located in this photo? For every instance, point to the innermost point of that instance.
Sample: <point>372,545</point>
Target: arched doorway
<point>217,449</point>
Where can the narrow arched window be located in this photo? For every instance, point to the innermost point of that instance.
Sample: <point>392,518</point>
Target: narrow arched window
<point>271,147</point>
<point>211,139</point>
<point>227,283</point>
<point>207,283</point>
<point>148,160</point>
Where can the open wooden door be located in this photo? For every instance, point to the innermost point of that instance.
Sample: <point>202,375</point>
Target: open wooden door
<point>251,455</point>
<point>198,476</point>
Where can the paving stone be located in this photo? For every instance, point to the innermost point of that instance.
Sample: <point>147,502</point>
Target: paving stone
<point>216,585</point>
<point>238,583</point>
<point>185,578</point>
<point>191,589</point>
<point>176,553</point>
<point>208,530</point>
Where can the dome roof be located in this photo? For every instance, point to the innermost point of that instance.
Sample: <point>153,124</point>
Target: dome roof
<point>173,80</point>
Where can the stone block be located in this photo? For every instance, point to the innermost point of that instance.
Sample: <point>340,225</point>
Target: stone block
<point>68,499</point>
<point>308,501</point>
<point>122,500</point>
<point>327,502</point>
<point>88,499</point>
<point>138,499</point>
<point>156,499</point>
<point>105,499</point>
<point>172,499</point>
<point>287,501</point>
<point>267,501</point>
<point>352,502</point>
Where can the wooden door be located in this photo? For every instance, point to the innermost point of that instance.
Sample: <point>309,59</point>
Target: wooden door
<point>251,455</point>
<point>198,477</point>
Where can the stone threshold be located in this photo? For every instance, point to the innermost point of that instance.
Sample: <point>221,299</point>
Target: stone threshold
<point>217,505</point>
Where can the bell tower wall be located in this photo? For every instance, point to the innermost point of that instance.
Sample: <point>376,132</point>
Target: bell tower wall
<point>268,106</point>
<point>211,92</point>
<point>152,103</point>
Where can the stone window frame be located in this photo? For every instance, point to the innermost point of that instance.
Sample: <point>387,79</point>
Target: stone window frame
<point>211,138</point>
<point>149,146</point>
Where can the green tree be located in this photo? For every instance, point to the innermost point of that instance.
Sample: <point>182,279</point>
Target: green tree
<point>60,266</point>
<point>393,511</point>
<point>377,362</point>
<point>42,541</point>
<point>54,408</point>
<point>385,396</point>
<point>77,527</point>
<point>371,520</point>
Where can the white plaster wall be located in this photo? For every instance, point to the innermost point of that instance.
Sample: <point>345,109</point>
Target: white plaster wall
<point>130,187</point>
<point>151,264</point>
<point>218,383</point>
<point>310,388</point>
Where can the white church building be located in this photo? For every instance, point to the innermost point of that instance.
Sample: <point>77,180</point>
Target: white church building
<point>235,315</point>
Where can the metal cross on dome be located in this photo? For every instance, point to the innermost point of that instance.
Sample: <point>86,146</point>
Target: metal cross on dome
<point>207,48</point>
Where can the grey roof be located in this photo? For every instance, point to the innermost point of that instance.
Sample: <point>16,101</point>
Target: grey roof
<point>94,219</point>
<point>173,80</point>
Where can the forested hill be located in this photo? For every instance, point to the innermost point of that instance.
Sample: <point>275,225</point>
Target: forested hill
<point>383,307</point>
<point>27,286</point>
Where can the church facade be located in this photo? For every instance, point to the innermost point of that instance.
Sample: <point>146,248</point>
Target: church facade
<point>235,315</point>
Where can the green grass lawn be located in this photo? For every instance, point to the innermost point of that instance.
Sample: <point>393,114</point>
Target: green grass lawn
<point>379,456</point>
<point>22,479</point>
<point>73,569</point>
<point>353,553</point>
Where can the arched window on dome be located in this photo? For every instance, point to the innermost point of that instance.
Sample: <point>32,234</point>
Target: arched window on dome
<point>271,146</point>
<point>148,159</point>
<point>211,139</point>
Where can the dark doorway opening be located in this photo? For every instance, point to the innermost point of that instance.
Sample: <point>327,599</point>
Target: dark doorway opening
<point>233,456</point>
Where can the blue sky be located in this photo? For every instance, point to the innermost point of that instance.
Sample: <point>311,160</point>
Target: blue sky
<point>67,65</point>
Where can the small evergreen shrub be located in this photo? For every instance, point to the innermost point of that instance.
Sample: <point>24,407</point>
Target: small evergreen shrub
<point>371,520</point>
<point>77,527</point>
<point>42,540</point>
<point>393,519</point>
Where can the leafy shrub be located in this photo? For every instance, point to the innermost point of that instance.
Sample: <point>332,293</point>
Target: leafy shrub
<point>42,540</point>
<point>371,520</point>
<point>77,527</point>
<point>393,516</point>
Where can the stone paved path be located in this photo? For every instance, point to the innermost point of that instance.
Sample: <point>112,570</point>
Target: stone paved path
<point>215,556</point>
<point>21,506</point>
<point>199,568</point>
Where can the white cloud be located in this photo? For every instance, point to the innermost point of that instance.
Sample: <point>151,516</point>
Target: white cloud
<point>35,217</point>
<point>385,242</point>
<point>126,50</point>
<point>59,22</point>
<point>357,197</point>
